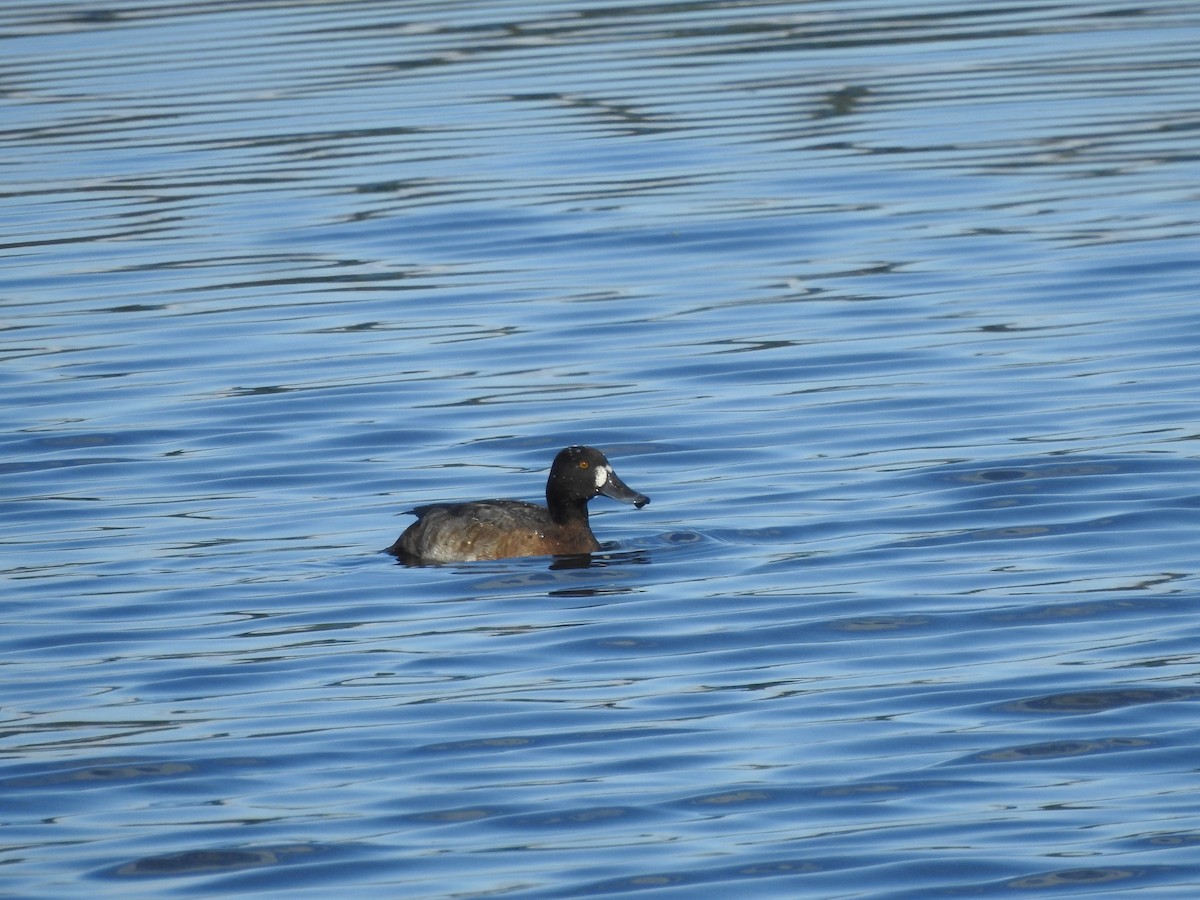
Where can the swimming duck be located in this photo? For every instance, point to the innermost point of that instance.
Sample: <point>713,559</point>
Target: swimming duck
<point>496,529</point>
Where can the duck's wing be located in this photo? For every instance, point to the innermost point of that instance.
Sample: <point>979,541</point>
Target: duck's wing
<point>483,529</point>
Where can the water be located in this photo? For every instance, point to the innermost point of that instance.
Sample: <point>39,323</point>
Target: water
<point>892,312</point>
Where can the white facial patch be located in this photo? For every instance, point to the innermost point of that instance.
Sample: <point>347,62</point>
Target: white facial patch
<point>601,476</point>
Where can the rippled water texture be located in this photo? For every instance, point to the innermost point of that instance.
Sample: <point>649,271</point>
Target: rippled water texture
<point>891,308</point>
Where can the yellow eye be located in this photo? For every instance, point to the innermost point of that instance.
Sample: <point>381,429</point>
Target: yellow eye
<point>583,464</point>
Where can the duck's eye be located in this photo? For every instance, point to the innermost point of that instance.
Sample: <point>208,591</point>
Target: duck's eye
<point>583,464</point>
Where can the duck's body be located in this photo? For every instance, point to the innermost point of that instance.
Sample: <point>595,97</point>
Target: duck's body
<point>496,529</point>
<point>492,529</point>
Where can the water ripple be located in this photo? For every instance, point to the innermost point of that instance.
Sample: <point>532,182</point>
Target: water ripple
<point>892,311</point>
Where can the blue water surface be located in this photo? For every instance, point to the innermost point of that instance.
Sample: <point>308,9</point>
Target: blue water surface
<point>892,310</point>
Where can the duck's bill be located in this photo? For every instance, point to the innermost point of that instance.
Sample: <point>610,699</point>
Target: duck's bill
<point>617,489</point>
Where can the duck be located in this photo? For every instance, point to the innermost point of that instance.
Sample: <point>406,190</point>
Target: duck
<point>500,529</point>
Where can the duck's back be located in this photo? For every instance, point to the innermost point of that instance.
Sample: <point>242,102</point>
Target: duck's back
<point>487,529</point>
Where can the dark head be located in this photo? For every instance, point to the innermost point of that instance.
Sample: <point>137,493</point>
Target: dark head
<point>578,475</point>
